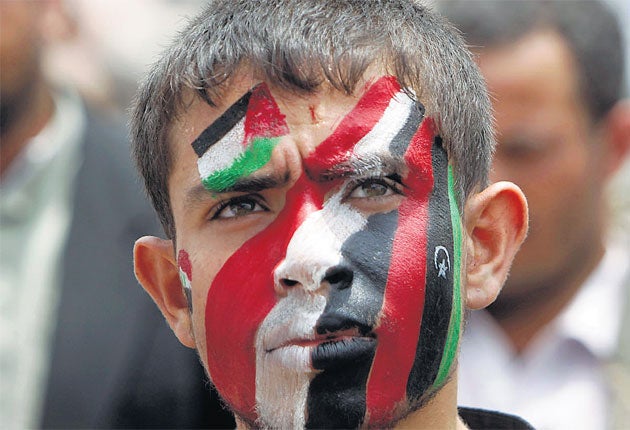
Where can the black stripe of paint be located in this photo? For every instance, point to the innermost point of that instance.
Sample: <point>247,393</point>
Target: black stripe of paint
<point>337,396</point>
<point>398,145</point>
<point>439,291</point>
<point>219,128</point>
<point>188,293</point>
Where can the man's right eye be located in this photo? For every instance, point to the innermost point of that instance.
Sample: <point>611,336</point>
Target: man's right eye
<point>239,206</point>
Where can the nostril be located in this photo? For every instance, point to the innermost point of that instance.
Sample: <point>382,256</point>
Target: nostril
<point>339,277</point>
<point>287,283</point>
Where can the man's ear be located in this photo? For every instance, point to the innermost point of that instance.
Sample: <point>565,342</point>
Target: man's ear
<point>496,224</point>
<point>156,269</point>
<point>617,136</point>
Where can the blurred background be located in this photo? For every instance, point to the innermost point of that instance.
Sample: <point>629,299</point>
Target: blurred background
<point>103,48</point>
<point>111,44</point>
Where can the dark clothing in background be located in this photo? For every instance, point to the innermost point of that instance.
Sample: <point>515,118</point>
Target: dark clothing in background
<point>481,419</point>
<point>115,362</point>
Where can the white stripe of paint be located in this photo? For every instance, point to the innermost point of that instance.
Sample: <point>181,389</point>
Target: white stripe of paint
<point>184,279</point>
<point>316,244</point>
<point>222,154</point>
<point>393,120</point>
<point>283,376</point>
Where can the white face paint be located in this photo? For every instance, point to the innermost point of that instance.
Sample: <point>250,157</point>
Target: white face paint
<point>283,359</point>
<point>224,152</point>
<point>316,244</point>
<point>287,337</point>
<point>394,118</point>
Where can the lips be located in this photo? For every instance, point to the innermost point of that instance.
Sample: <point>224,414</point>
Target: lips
<point>322,351</point>
<point>346,352</point>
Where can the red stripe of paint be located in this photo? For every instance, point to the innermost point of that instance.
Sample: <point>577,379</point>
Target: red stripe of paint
<point>401,316</point>
<point>183,260</point>
<point>338,147</point>
<point>231,324</point>
<point>263,117</point>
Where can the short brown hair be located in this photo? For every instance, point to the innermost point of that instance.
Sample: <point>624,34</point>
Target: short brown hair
<point>301,44</point>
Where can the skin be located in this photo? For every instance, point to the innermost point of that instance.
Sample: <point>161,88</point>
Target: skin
<point>25,98</point>
<point>495,224</point>
<point>562,159</point>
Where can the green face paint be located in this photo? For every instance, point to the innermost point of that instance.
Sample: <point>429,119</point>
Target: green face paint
<point>241,141</point>
<point>454,329</point>
<point>257,154</point>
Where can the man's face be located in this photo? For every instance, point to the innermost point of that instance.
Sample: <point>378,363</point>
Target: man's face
<point>321,244</point>
<point>546,147</point>
<point>20,45</point>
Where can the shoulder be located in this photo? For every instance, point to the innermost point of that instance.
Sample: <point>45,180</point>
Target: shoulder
<point>485,419</point>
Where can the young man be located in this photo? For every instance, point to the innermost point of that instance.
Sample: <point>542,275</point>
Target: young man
<point>556,335</point>
<point>320,172</point>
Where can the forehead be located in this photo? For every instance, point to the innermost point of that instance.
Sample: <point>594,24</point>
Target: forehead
<point>310,117</point>
<point>258,130</point>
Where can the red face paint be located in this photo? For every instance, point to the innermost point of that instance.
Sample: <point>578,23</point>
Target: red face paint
<point>338,147</point>
<point>183,260</point>
<point>404,295</point>
<point>263,118</point>
<point>242,293</point>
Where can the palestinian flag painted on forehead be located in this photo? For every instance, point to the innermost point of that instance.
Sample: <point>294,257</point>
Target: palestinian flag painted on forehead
<point>254,121</point>
<point>410,255</point>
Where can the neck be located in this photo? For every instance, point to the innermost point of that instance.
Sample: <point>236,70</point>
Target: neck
<point>32,114</point>
<point>439,413</point>
<point>524,316</point>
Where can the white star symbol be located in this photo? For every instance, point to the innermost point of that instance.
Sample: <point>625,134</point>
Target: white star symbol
<point>443,268</point>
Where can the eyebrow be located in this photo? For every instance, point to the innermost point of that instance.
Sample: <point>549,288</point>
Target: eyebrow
<point>249,184</point>
<point>364,166</point>
<point>222,125</point>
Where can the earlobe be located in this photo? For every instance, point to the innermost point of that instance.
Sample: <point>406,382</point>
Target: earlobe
<point>156,269</point>
<point>496,225</point>
<point>617,136</point>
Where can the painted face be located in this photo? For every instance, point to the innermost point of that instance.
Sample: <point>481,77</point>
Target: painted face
<point>328,266</point>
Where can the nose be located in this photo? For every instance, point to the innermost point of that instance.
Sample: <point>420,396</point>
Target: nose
<point>313,259</point>
<point>337,277</point>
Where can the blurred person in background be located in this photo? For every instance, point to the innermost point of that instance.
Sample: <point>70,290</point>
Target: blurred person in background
<point>116,42</point>
<point>555,346</point>
<point>80,344</point>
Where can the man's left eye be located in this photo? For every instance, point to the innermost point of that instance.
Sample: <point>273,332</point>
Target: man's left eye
<point>374,187</point>
<point>239,206</point>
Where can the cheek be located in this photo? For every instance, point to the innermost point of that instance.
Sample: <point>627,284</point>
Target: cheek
<point>241,296</point>
<point>421,315</point>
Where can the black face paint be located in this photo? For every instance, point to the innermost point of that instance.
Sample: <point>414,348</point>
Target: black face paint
<point>439,281</point>
<point>400,142</point>
<point>337,397</point>
<point>219,128</point>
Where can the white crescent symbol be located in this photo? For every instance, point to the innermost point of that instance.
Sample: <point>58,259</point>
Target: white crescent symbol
<point>444,265</point>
